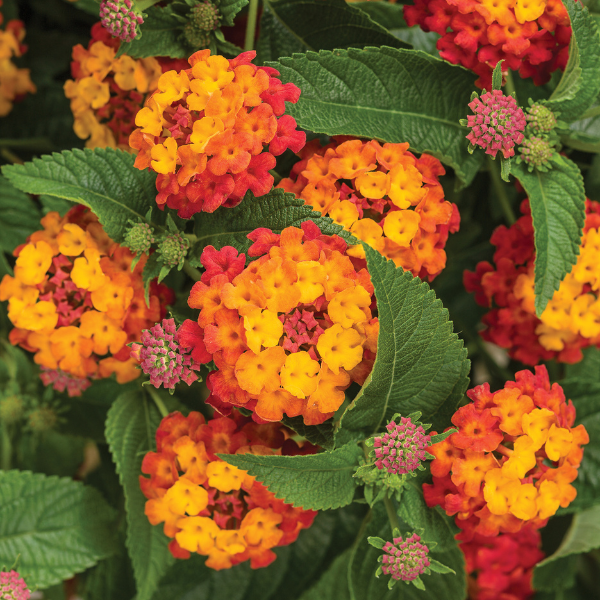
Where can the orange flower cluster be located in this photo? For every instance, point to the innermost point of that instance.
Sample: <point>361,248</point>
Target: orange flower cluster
<point>107,92</point>
<point>532,36</point>
<point>205,130</point>
<point>384,195</point>
<point>14,82</point>
<point>74,300</point>
<point>501,567</point>
<point>210,507</point>
<point>288,333</point>
<point>571,320</point>
<point>512,460</point>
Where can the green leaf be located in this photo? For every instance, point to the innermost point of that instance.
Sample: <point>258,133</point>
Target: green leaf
<point>497,76</point>
<point>130,428</point>
<point>584,135</point>
<point>329,24</point>
<point>389,94</point>
<point>19,216</point>
<point>557,201</point>
<point>421,365</point>
<point>59,527</point>
<point>104,180</point>
<point>161,33</point>
<point>582,536</point>
<point>275,39</point>
<point>580,84</point>
<point>229,9</point>
<point>275,210</point>
<point>320,435</point>
<point>318,481</point>
<point>390,16</point>
<point>333,585</point>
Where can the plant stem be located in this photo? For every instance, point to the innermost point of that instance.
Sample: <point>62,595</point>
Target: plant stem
<point>11,157</point>
<point>500,187</point>
<point>391,512</point>
<point>6,449</point>
<point>251,25</point>
<point>162,409</point>
<point>191,271</point>
<point>510,85</point>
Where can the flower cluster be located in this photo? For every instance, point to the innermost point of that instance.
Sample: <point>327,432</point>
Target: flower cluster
<point>74,300</point>
<point>290,332</point>
<point>532,37</point>
<point>497,125</point>
<point>571,320</point>
<point>402,448</point>
<point>107,92</point>
<point>13,586</point>
<point>502,566</point>
<point>512,460</point>
<point>371,189</point>
<point>120,18</point>
<point>14,82</point>
<point>212,132</point>
<point>163,358</point>
<point>210,507</point>
<point>405,559</point>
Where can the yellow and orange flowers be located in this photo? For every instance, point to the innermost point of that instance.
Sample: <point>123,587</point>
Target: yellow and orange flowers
<point>571,320</point>
<point>107,92</point>
<point>512,460</point>
<point>383,195</point>
<point>290,332</point>
<point>76,304</point>
<point>214,509</point>
<point>14,82</point>
<point>212,132</point>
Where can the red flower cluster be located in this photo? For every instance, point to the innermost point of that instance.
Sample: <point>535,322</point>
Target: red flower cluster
<point>532,37</point>
<point>501,567</point>
<point>384,195</point>
<point>288,333</point>
<point>570,322</point>
<point>212,132</point>
<point>213,508</point>
<point>512,460</point>
<point>107,92</point>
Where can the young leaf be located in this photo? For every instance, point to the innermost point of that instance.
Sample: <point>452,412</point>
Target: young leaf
<point>276,210</point>
<point>557,201</point>
<point>19,216</point>
<point>229,9</point>
<point>420,365</point>
<point>59,527</point>
<point>497,76</point>
<point>104,180</point>
<point>580,84</point>
<point>318,481</point>
<point>390,94</point>
<point>130,427</point>
<point>329,24</point>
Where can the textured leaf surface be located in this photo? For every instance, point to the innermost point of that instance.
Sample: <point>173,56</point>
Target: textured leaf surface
<point>584,135</point>
<point>275,39</point>
<point>229,9</point>
<point>390,94</point>
<point>420,365</point>
<point>580,84</point>
<point>19,216</point>
<point>130,428</point>
<point>317,481</point>
<point>557,201</point>
<point>105,180</point>
<point>320,435</point>
<point>275,210</point>
<point>59,527</point>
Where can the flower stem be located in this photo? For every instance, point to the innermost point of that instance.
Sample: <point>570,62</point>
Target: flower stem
<point>251,25</point>
<point>391,512</point>
<point>162,409</point>
<point>510,85</point>
<point>191,271</point>
<point>500,187</point>
<point>504,451</point>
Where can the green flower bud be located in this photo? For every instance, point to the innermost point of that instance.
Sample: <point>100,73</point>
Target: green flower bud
<point>11,409</point>
<point>139,238</point>
<point>173,250</point>
<point>540,118</point>
<point>536,152</point>
<point>204,17</point>
<point>42,419</point>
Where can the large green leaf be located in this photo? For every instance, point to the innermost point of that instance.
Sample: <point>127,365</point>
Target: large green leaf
<point>580,84</point>
<point>59,527</point>
<point>584,135</point>
<point>275,210</point>
<point>275,39</point>
<point>557,201</point>
<point>320,435</point>
<point>130,428</point>
<point>333,584</point>
<point>582,536</point>
<point>19,216</point>
<point>317,481</point>
<point>390,94</point>
<point>105,180</point>
<point>582,386</point>
<point>420,365</point>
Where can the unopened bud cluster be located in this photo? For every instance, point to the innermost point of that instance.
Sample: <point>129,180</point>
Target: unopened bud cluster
<point>120,18</point>
<point>13,586</point>
<point>405,559</point>
<point>540,118</point>
<point>139,238</point>
<point>173,250</point>
<point>402,449</point>
<point>203,18</point>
